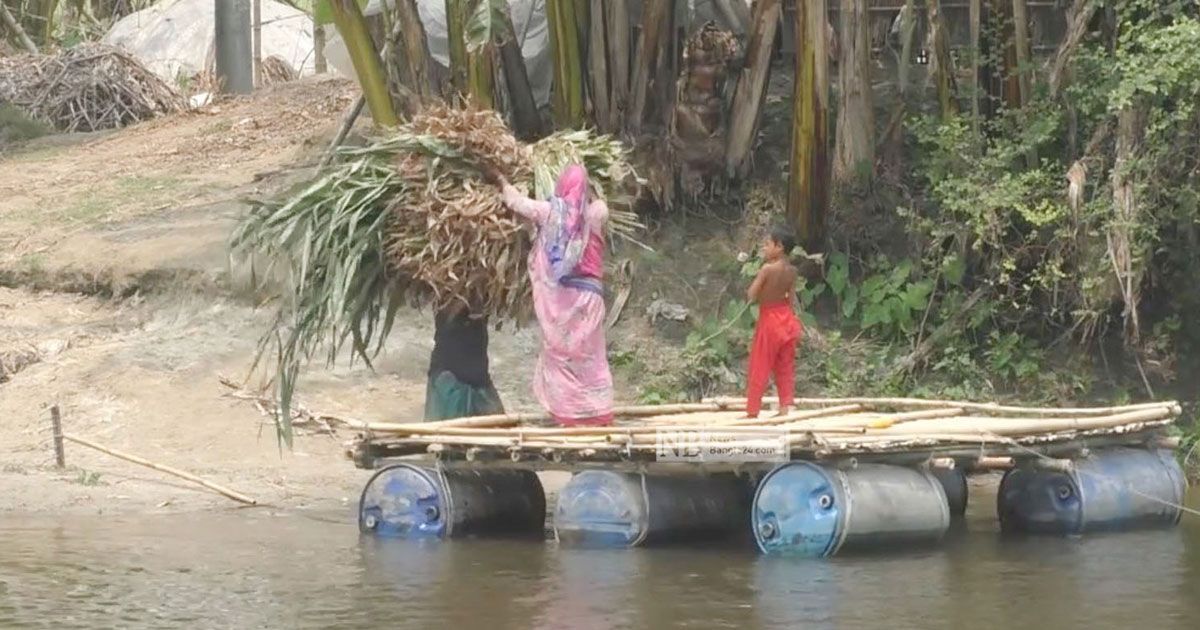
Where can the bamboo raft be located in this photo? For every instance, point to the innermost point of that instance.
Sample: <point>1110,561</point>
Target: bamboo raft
<point>904,431</point>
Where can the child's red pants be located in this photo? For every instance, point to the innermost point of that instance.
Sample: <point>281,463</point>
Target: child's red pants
<point>773,353</point>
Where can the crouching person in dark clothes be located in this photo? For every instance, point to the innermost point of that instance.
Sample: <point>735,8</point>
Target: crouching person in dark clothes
<point>459,383</point>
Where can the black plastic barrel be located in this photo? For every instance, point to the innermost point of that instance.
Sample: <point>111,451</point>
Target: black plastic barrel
<point>1112,489</point>
<point>611,509</point>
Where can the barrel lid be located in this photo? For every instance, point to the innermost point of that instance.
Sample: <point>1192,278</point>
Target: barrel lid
<point>403,501</point>
<point>601,509</point>
<point>1040,502</point>
<point>798,510</point>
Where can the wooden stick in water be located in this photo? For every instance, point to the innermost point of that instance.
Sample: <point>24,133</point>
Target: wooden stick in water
<point>236,496</point>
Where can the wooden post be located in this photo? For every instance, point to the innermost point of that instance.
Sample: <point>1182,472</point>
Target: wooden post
<point>808,182</point>
<point>256,19</point>
<point>231,32</point>
<point>855,119</point>
<point>751,89</point>
<point>319,61</point>
<point>60,457</point>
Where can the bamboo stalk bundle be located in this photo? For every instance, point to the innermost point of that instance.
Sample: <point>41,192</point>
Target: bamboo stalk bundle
<point>829,428</point>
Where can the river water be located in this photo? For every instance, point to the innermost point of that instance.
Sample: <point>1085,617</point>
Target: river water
<point>259,569</point>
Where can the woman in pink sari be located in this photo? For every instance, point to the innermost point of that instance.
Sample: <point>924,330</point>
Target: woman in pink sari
<point>566,266</point>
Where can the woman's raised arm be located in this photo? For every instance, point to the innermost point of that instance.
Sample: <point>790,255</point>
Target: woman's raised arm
<point>531,209</point>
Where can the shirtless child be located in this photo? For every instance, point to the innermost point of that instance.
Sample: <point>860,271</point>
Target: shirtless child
<point>773,351</point>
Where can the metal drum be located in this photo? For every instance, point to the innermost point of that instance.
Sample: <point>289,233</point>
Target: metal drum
<point>406,501</point>
<point>1112,489</point>
<point>817,511</point>
<point>610,509</point>
<point>954,483</point>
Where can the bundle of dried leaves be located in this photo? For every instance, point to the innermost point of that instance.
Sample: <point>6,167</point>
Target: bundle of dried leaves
<point>86,88</point>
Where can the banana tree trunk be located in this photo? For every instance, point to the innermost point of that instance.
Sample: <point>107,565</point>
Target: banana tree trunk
<point>526,120</point>
<point>415,70</point>
<point>945,68</point>
<point>567,102</point>
<point>352,26</point>
<point>751,89</point>
<point>481,77</point>
<point>856,120</point>
<point>808,181</point>
<point>655,20</point>
<point>598,67</point>
<point>456,38</point>
<point>616,22</point>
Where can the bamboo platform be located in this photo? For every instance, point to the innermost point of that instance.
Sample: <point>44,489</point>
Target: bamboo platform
<point>904,431</point>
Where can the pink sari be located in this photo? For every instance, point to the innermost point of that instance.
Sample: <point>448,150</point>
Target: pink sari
<point>572,380</point>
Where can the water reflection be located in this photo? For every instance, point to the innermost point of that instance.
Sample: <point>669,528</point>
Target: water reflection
<point>262,570</point>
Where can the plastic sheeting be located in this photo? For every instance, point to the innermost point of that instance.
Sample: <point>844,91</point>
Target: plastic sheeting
<point>529,21</point>
<point>175,38</point>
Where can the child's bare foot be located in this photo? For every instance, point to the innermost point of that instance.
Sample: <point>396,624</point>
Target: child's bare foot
<point>783,411</point>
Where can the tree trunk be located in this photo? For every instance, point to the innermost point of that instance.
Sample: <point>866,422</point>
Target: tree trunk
<point>456,38</point>
<point>666,70</point>
<point>526,120</point>
<point>945,67</point>
<point>1131,122</point>
<point>598,67</point>
<point>617,23</point>
<point>1021,44</point>
<point>748,96</point>
<point>655,17</point>
<point>567,99</point>
<point>1012,82</point>
<point>481,76</point>
<point>856,120</point>
<point>352,26</point>
<point>1078,18</point>
<point>975,15</point>
<point>808,185</point>
<point>893,136</point>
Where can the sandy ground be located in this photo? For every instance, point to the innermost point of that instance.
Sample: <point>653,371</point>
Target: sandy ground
<point>116,304</point>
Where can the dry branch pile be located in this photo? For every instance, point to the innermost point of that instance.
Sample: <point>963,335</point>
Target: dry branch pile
<point>410,220</point>
<point>86,88</point>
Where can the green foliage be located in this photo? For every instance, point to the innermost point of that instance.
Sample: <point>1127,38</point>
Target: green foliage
<point>16,126</point>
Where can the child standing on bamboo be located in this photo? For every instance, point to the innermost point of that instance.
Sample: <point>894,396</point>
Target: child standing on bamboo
<point>773,351</point>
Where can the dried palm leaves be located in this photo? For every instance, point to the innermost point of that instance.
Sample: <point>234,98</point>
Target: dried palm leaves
<point>86,88</point>
<point>410,220</point>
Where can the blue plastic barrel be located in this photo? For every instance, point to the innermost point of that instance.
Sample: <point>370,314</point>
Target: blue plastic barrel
<point>1112,489</point>
<point>599,508</point>
<point>407,501</point>
<point>806,509</point>
<point>954,484</point>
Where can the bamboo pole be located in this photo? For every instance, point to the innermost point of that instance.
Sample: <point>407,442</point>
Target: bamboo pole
<point>751,89</point>
<point>925,403</point>
<point>808,181</point>
<point>799,415</point>
<point>236,496</point>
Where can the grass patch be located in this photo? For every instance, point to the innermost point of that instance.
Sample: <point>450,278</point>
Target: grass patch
<point>17,127</point>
